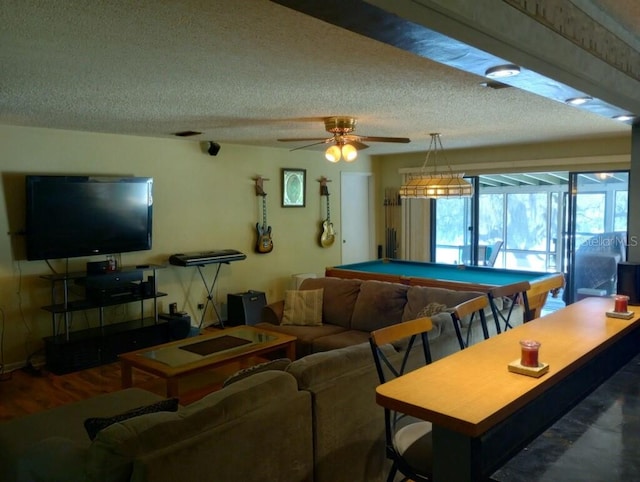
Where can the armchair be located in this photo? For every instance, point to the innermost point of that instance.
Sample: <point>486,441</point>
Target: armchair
<point>596,264</point>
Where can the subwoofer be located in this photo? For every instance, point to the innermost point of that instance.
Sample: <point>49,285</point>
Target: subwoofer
<point>629,281</point>
<point>245,308</point>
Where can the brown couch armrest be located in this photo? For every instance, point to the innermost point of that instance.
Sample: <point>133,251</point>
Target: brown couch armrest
<point>272,313</point>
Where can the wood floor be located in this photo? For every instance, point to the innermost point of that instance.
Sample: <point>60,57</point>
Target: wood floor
<point>23,392</point>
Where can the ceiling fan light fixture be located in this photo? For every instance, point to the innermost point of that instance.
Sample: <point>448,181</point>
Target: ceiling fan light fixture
<point>336,152</point>
<point>435,185</point>
<point>349,153</point>
<point>332,154</point>
<point>502,71</point>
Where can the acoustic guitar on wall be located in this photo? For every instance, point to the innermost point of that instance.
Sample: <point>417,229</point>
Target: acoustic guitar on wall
<point>328,235</point>
<point>264,242</point>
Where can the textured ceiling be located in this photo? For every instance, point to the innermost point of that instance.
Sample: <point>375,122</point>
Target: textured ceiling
<point>252,71</point>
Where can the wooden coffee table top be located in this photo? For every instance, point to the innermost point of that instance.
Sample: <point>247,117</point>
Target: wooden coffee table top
<point>185,356</point>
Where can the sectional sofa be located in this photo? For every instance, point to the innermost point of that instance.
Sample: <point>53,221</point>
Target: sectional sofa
<point>257,429</point>
<point>317,420</point>
<point>314,419</point>
<point>352,308</point>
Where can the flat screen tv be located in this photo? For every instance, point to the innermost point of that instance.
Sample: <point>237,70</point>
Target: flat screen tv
<point>73,216</point>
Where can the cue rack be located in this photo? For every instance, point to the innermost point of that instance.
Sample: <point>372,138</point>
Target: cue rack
<point>392,222</point>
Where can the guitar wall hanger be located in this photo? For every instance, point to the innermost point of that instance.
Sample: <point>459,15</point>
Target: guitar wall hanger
<point>327,233</point>
<point>264,243</point>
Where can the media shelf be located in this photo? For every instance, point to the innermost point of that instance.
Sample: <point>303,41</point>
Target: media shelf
<point>68,350</point>
<point>81,305</point>
<point>95,346</point>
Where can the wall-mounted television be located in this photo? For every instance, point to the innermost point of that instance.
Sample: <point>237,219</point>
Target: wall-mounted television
<point>73,216</point>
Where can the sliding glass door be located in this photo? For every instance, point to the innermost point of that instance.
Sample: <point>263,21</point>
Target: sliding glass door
<point>574,223</point>
<point>507,224</point>
<point>453,228</point>
<point>597,232</point>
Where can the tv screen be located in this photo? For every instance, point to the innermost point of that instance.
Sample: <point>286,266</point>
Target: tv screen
<point>72,216</point>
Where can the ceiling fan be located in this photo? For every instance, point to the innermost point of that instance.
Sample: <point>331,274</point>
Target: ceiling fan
<point>344,143</point>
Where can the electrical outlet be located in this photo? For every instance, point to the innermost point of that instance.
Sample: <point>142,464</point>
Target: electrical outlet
<point>201,306</point>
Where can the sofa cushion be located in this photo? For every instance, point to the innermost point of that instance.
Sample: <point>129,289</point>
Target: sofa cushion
<point>54,459</point>
<point>323,368</point>
<point>94,424</point>
<point>340,340</point>
<point>339,298</point>
<point>302,308</point>
<point>305,334</point>
<point>379,304</point>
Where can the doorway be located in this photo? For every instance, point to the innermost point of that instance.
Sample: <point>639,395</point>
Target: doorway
<point>356,217</point>
<point>596,232</point>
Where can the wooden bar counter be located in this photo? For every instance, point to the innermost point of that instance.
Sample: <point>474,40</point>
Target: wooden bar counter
<point>482,414</point>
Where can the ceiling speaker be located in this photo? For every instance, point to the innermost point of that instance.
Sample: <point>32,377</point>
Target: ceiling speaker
<point>213,149</point>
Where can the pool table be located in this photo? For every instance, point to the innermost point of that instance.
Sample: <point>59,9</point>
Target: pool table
<point>451,276</point>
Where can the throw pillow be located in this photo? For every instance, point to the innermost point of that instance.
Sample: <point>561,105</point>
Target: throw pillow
<point>278,364</point>
<point>302,308</point>
<point>94,425</point>
<point>431,309</point>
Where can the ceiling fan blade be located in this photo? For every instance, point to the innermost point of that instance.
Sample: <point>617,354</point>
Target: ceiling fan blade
<point>403,140</point>
<point>301,139</point>
<point>324,141</point>
<point>358,145</point>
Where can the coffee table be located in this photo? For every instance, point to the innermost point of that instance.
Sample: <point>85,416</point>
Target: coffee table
<point>172,361</point>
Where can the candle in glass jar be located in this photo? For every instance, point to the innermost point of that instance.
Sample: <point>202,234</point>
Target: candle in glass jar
<point>529,353</point>
<point>620,303</point>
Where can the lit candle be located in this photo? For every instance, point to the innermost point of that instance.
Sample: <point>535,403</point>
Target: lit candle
<point>620,305</point>
<point>529,353</point>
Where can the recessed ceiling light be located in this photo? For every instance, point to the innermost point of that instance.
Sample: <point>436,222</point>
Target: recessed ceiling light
<point>623,117</point>
<point>502,71</point>
<point>579,100</point>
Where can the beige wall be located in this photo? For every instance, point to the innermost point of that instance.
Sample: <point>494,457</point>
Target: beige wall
<point>200,203</point>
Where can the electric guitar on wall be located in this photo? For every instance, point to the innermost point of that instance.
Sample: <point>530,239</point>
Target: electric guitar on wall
<point>264,243</point>
<point>328,235</point>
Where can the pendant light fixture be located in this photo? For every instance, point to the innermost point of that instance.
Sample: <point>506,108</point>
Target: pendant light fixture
<point>434,184</point>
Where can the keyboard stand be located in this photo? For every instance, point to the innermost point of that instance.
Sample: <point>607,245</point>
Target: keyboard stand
<point>210,295</point>
<point>199,260</point>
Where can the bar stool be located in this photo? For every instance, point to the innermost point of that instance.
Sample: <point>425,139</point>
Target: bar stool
<point>408,441</point>
<point>469,309</point>
<point>516,293</point>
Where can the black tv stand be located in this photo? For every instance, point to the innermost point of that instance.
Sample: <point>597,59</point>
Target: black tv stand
<point>69,350</point>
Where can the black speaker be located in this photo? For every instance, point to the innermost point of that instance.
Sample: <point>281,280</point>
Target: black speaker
<point>214,148</point>
<point>245,308</point>
<point>629,281</point>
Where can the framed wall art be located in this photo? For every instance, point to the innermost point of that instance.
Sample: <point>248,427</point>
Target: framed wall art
<point>294,182</point>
